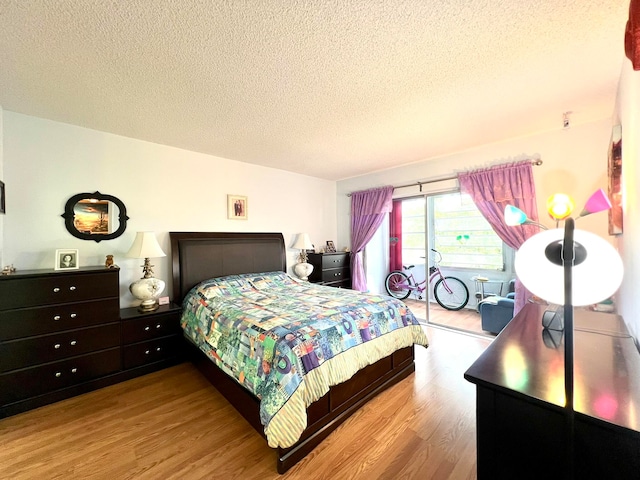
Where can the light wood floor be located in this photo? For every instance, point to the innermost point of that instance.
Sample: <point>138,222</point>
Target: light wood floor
<point>466,319</point>
<point>174,425</point>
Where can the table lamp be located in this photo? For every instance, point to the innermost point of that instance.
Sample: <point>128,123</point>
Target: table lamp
<point>302,269</point>
<point>147,289</point>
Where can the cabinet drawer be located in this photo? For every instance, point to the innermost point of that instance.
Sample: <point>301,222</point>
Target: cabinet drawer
<point>153,351</point>
<point>335,275</point>
<point>49,348</point>
<point>38,380</point>
<point>28,322</point>
<point>150,327</point>
<point>59,288</point>
<point>340,284</point>
<point>335,261</point>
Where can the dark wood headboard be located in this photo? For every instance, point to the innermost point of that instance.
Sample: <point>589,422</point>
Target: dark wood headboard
<point>198,256</point>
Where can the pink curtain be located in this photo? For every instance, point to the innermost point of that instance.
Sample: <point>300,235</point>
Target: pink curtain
<point>493,189</point>
<point>395,234</point>
<point>368,209</point>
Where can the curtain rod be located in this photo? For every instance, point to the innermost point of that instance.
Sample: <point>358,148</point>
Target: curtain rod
<point>442,179</point>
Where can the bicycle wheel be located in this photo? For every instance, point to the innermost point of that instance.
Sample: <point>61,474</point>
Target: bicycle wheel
<point>397,285</point>
<point>455,300</point>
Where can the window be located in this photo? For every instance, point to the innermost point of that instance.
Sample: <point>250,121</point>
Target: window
<point>462,235</point>
<point>413,231</point>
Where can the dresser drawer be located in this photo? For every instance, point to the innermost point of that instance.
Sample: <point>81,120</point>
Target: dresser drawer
<point>337,260</point>
<point>59,288</point>
<point>150,327</point>
<point>335,275</point>
<point>28,322</point>
<point>38,380</point>
<point>142,353</point>
<point>49,348</point>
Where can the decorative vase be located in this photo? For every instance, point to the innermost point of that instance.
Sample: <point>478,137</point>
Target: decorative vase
<point>303,270</point>
<point>148,290</point>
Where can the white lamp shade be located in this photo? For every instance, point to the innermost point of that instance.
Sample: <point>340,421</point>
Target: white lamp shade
<point>595,279</point>
<point>145,245</point>
<point>303,242</point>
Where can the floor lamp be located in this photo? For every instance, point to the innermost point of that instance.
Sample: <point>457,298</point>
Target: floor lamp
<point>564,266</point>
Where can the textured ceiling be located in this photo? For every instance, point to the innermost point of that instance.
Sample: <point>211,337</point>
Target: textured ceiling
<point>327,88</point>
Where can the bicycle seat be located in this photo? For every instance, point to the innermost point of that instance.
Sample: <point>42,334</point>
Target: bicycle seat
<point>408,267</point>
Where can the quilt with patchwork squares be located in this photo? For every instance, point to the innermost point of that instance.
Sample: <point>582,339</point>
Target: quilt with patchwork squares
<point>288,341</point>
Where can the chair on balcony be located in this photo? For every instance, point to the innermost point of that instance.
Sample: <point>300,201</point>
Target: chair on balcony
<point>496,311</point>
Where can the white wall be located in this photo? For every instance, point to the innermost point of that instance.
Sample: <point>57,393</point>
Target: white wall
<point>628,112</point>
<point>163,188</point>
<point>575,162</point>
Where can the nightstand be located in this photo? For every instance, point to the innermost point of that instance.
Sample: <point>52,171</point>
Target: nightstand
<point>151,340</point>
<point>331,269</point>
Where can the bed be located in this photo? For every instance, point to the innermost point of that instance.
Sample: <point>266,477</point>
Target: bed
<point>257,259</point>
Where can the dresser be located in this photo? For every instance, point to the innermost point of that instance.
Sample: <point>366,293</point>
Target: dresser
<point>58,332</point>
<point>332,269</point>
<point>61,334</point>
<point>522,429</point>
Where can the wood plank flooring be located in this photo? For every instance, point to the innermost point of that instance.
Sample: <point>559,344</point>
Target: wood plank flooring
<point>173,424</point>
<point>467,320</point>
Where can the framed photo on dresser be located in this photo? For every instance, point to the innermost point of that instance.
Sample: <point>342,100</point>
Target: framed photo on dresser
<point>67,259</point>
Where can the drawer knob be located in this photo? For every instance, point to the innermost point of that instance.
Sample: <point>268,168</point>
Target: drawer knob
<point>158,349</point>
<point>72,288</point>
<point>147,328</point>
<point>56,318</point>
<point>56,289</point>
<point>158,326</point>
<point>147,352</point>
<point>56,346</point>
<point>74,315</point>
<point>73,342</point>
<point>74,370</point>
<point>58,374</point>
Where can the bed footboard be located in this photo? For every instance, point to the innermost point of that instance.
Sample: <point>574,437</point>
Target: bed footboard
<point>324,415</point>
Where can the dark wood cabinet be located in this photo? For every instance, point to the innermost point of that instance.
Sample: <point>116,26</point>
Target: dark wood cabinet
<point>332,269</point>
<point>152,338</point>
<point>62,333</point>
<point>59,331</point>
<point>522,427</point>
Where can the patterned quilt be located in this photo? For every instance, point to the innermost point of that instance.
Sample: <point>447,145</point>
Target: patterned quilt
<point>288,341</point>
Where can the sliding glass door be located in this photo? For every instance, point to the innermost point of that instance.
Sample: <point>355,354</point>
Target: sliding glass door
<point>446,235</point>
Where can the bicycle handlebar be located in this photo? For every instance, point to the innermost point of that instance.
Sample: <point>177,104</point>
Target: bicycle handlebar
<point>439,259</point>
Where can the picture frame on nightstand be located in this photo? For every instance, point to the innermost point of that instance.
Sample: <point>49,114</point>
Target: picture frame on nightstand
<point>331,247</point>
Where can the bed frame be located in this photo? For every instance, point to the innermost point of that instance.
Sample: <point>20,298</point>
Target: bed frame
<point>198,256</point>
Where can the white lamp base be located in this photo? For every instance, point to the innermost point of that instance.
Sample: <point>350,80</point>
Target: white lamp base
<point>303,270</point>
<point>147,290</point>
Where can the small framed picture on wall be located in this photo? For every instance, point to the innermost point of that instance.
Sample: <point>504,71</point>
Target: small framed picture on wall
<point>237,207</point>
<point>67,259</point>
<point>2,208</point>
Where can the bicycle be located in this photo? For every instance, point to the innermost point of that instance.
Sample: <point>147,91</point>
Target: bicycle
<point>450,292</point>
